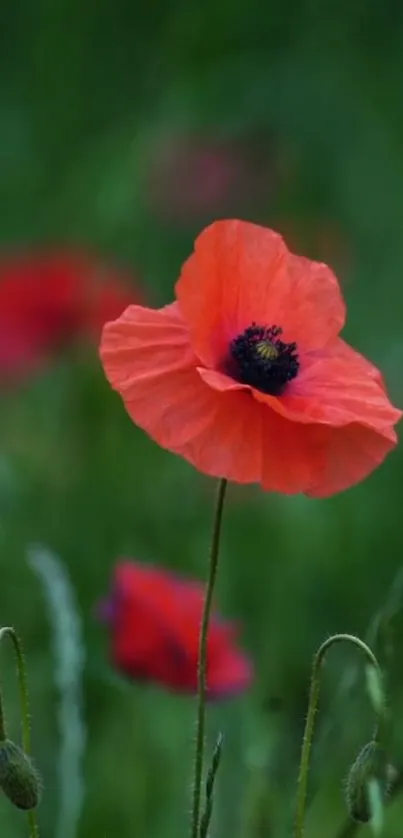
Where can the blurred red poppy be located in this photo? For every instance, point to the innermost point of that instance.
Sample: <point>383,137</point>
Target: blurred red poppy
<point>48,298</point>
<point>245,375</point>
<point>154,618</point>
<point>194,176</point>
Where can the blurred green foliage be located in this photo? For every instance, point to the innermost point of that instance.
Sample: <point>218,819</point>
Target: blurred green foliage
<point>90,96</point>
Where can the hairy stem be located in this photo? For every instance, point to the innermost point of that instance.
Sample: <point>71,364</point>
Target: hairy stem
<point>7,631</point>
<point>302,783</point>
<point>202,660</point>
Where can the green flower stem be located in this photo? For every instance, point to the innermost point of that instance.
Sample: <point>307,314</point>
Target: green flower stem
<point>23,686</point>
<point>202,660</point>
<point>7,631</point>
<point>302,783</point>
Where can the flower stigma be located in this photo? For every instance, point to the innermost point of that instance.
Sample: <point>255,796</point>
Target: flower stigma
<point>260,358</point>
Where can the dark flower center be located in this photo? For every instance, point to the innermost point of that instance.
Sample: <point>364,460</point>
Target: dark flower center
<point>260,358</point>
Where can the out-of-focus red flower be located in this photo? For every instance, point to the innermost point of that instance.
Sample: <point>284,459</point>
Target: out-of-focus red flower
<point>192,177</point>
<point>154,618</point>
<point>49,298</point>
<point>245,375</point>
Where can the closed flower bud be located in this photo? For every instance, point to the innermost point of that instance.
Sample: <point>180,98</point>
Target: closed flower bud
<point>369,765</point>
<point>19,780</point>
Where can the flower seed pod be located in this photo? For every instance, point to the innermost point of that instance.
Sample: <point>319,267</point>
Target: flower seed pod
<point>19,780</point>
<point>369,765</point>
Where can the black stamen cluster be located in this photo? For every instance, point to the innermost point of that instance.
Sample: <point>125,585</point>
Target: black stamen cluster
<point>260,358</point>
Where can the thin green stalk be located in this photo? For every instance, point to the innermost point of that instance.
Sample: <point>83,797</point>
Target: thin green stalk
<point>202,660</point>
<point>23,686</point>
<point>302,783</point>
<point>8,631</point>
<point>33,824</point>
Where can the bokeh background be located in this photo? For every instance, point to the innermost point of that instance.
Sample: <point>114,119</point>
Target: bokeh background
<point>124,129</point>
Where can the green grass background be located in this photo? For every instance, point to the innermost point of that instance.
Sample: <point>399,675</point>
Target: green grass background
<point>89,95</point>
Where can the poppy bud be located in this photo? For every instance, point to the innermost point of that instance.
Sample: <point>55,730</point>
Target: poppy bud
<point>19,780</point>
<point>369,765</point>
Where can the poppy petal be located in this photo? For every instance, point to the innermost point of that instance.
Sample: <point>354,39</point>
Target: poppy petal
<point>352,453</point>
<point>222,382</point>
<point>241,273</point>
<point>339,387</point>
<point>143,346</point>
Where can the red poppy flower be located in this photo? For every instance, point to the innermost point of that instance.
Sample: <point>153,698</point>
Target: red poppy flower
<point>49,298</point>
<point>155,618</point>
<point>245,375</point>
